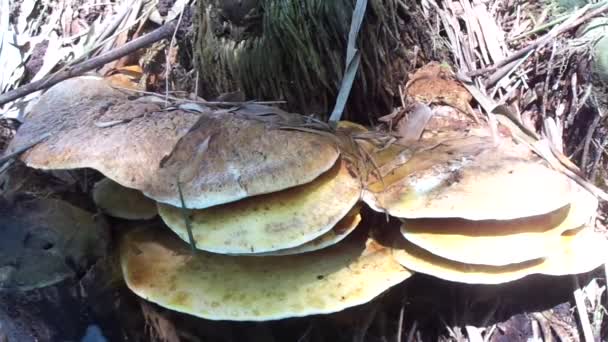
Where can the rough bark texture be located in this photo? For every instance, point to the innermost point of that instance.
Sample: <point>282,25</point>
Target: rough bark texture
<point>295,50</point>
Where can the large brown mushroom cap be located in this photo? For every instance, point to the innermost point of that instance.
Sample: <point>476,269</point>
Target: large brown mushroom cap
<point>219,157</point>
<point>496,242</point>
<point>273,221</point>
<point>118,201</point>
<point>161,268</point>
<point>579,251</point>
<point>472,178</point>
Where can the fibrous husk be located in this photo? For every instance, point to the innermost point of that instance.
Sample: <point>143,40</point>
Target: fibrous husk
<point>256,51</point>
<point>470,177</point>
<point>271,222</point>
<point>579,251</point>
<point>160,267</point>
<point>218,156</point>
<point>118,201</point>
<point>496,242</point>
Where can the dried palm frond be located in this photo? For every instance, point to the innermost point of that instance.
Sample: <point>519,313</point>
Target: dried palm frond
<point>295,51</point>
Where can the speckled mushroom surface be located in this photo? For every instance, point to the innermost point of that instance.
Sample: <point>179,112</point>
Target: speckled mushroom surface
<point>337,233</point>
<point>161,268</point>
<point>218,156</point>
<point>271,222</point>
<point>468,176</point>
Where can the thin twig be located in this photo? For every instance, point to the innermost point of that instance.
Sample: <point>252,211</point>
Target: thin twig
<point>606,279</point>
<point>93,63</point>
<point>540,42</point>
<point>582,311</point>
<point>588,137</point>
<point>412,333</point>
<point>167,60</point>
<point>548,25</point>
<point>400,324</point>
<point>200,100</point>
<point>599,149</point>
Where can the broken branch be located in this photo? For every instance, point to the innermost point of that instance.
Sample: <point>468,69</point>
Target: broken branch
<point>160,33</point>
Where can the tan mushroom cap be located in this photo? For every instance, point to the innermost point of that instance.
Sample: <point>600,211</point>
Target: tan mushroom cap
<point>161,268</point>
<point>271,222</point>
<point>351,127</point>
<point>223,158</point>
<point>580,251</point>
<point>470,177</point>
<point>118,201</point>
<point>338,233</point>
<point>498,243</point>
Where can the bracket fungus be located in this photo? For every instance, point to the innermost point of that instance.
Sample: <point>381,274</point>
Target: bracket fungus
<point>274,212</point>
<point>120,202</point>
<point>160,267</point>
<point>273,221</point>
<point>469,177</point>
<point>479,210</point>
<point>218,156</point>
<point>500,242</point>
<point>579,251</point>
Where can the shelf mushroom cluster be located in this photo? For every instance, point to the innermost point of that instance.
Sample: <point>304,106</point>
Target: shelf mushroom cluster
<point>479,212</point>
<point>274,214</point>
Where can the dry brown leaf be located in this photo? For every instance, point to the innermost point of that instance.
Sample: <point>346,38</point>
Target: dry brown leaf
<point>435,84</point>
<point>126,77</point>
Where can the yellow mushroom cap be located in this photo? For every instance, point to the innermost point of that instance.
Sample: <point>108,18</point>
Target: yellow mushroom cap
<point>580,251</point>
<point>470,177</point>
<point>118,201</point>
<point>218,157</point>
<point>340,231</point>
<point>161,268</point>
<point>498,243</point>
<point>271,222</point>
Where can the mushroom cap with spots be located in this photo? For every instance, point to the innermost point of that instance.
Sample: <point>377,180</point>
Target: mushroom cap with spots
<point>117,201</point>
<point>580,251</point>
<point>161,268</point>
<point>270,222</point>
<point>470,177</point>
<point>218,156</point>
<point>497,242</point>
<point>338,233</point>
